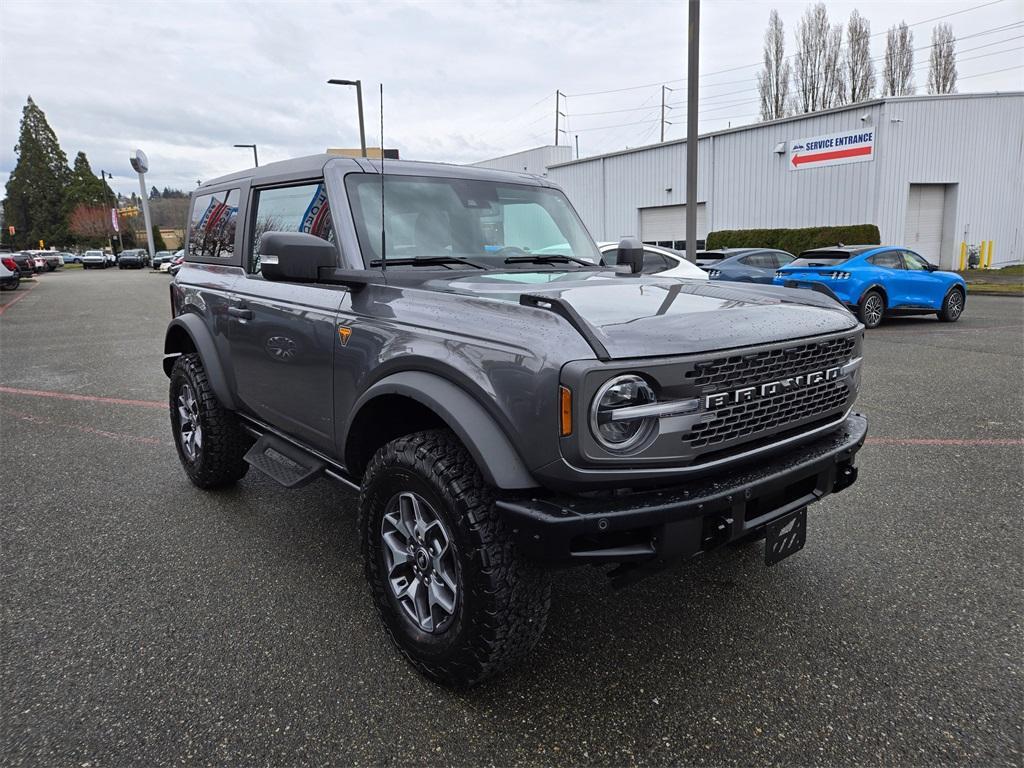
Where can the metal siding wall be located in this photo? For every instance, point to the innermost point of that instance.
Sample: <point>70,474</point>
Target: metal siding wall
<point>754,187</point>
<point>974,142</point>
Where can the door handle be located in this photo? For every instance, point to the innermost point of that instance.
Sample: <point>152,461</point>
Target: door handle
<point>240,312</point>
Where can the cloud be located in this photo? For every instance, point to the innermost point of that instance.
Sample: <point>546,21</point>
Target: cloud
<point>463,81</point>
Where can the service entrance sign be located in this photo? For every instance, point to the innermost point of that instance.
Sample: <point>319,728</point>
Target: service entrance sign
<point>832,149</point>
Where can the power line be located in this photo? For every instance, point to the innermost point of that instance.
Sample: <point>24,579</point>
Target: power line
<point>759,63</point>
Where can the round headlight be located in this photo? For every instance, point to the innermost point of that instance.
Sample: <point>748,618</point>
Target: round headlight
<point>619,435</point>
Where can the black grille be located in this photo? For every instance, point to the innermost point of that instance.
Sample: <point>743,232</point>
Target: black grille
<point>740,370</point>
<point>747,420</point>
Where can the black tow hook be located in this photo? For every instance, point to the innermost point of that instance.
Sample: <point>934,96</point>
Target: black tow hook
<point>846,477</point>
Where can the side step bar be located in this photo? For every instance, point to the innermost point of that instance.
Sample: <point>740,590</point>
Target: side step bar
<point>286,463</point>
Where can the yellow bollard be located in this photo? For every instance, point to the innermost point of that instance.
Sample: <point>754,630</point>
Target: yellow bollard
<point>991,249</point>
<point>983,263</point>
<point>963,255</point>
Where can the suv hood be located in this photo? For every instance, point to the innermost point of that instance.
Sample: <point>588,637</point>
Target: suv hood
<point>649,316</point>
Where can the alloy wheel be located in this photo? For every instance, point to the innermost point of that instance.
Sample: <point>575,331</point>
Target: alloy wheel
<point>420,561</point>
<point>955,304</point>
<point>190,433</point>
<point>873,310</point>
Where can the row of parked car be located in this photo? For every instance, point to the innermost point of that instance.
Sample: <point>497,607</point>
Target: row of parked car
<point>873,281</point>
<point>18,265</point>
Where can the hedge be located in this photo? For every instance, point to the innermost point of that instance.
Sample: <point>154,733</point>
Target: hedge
<point>794,240</point>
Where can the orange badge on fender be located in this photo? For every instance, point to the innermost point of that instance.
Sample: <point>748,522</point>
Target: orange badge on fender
<point>344,333</point>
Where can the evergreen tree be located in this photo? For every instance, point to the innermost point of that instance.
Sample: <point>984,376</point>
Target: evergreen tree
<point>158,240</point>
<point>35,189</point>
<point>85,188</point>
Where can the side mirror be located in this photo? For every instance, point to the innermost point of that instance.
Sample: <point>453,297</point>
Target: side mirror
<point>932,268</point>
<point>295,257</point>
<point>631,255</point>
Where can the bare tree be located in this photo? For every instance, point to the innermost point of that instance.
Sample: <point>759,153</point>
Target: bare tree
<point>773,80</point>
<point>860,71</point>
<point>898,71</point>
<point>833,83</point>
<point>818,77</point>
<point>90,223</point>
<point>942,67</point>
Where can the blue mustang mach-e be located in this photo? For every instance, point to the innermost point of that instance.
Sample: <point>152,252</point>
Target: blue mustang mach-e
<point>877,281</point>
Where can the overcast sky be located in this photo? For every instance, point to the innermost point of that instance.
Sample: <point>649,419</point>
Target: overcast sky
<point>462,81</point>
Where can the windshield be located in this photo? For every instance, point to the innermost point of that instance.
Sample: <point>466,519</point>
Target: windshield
<point>484,222</point>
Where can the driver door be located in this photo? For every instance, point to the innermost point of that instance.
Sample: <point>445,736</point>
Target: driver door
<point>282,335</point>
<point>924,289</point>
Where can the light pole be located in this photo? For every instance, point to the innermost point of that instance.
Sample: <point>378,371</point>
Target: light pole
<point>359,98</point>
<point>255,157</point>
<point>113,212</point>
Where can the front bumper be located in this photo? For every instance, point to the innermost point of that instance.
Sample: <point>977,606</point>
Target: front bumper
<point>656,526</point>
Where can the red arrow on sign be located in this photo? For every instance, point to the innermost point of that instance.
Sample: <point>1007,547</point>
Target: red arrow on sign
<point>799,160</point>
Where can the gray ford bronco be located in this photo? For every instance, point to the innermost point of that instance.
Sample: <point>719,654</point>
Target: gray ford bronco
<point>447,342</point>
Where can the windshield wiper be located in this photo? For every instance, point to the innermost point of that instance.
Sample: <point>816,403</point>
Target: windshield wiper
<point>547,258</point>
<point>427,261</point>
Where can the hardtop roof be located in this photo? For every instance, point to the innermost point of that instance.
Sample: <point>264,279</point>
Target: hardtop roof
<point>314,165</point>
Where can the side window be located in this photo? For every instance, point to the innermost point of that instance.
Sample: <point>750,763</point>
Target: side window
<point>915,262</point>
<point>782,258</point>
<point>211,230</point>
<point>888,259</point>
<point>303,208</point>
<point>760,260</point>
<point>654,262</point>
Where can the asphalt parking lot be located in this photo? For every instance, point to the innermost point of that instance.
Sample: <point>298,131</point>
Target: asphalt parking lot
<point>147,622</point>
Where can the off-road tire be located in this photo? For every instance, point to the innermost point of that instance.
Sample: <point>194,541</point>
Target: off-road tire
<point>218,462</point>
<point>866,309</point>
<point>951,311</point>
<point>503,599</point>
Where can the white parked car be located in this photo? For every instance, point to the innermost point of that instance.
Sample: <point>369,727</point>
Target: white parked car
<point>664,262</point>
<point>94,260</point>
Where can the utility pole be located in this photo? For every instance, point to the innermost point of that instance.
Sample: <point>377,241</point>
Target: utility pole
<point>558,113</point>
<point>140,164</point>
<point>664,122</point>
<point>577,146</point>
<point>692,74</point>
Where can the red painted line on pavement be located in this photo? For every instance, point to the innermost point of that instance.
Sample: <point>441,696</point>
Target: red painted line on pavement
<point>82,398</point>
<point>119,436</point>
<point>16,299</point>
<point>944,441</point>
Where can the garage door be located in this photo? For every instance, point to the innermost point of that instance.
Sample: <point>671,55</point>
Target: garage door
<point>666,225</point>
<point>923,232</point>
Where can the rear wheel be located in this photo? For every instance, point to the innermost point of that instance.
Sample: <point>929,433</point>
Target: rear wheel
<point>871,309</point>
<point>453,592</point>
<point>210,441</point>
<point>13,284</point>
<point>952,306</point>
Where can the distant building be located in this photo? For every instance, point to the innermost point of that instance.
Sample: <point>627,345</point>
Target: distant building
<point>930,171</point>
<point>371,152</point>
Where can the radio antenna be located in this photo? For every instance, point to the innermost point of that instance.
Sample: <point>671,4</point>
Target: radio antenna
<point>383,241</point>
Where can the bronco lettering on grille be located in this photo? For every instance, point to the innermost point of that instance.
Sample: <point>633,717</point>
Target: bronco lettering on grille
<point>746,394</point>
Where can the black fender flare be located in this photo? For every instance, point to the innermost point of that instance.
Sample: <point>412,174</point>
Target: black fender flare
<point>493,452</point>
<point>202,340</point>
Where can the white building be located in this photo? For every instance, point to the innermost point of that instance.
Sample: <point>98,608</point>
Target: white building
<point>930,171</point>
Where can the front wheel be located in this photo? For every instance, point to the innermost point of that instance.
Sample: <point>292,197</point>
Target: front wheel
<point>210,441</point>
<point>453,592</point>
<point>952,306</point>
<point>871,309</point>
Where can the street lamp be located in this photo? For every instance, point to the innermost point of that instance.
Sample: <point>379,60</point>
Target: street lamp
<point>359,97</point>
<point>113,212</point>
<point>255,158</point>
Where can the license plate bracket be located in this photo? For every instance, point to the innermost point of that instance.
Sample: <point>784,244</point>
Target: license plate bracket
<point>785,536</point>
